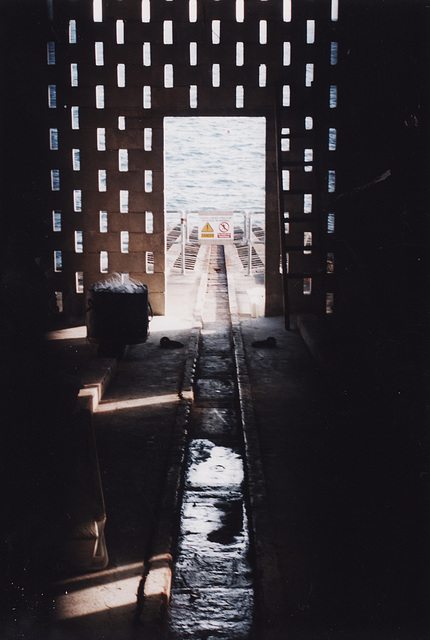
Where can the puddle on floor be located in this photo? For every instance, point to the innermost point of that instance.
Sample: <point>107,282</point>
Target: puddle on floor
<point>212,595</point>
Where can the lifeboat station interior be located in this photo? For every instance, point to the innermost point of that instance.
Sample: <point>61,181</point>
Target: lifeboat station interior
<point>215,393</point>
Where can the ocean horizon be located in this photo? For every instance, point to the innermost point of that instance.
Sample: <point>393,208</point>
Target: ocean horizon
<point>214,163</point>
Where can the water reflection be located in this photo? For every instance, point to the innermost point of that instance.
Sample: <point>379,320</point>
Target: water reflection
<point>212,589</point>
<point>214,466</point>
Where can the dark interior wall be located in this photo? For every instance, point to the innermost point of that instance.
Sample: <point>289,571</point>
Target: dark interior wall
<point>23,156</point>
<point>28,384</point>
<point>380,325</point>
<point>382,222</point>
<point>382,227</point>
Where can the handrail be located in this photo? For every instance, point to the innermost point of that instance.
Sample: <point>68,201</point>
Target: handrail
<point>247,224</point>
<point>283,246</point>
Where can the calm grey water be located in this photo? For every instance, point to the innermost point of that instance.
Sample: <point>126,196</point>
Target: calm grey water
<point>214,163</point>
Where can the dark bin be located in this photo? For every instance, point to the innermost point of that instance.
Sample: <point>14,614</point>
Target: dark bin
<point>117,317</point>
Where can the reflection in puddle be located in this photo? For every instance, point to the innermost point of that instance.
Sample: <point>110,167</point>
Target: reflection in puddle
<point>231,522</point>
<point>212,589</point>
<point>213,466</point>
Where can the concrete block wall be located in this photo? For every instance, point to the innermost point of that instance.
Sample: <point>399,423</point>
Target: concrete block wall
<point>118,68</point>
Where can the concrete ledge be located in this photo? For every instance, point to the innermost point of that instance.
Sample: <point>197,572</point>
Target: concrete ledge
<point>96,377</point>
<point>84,543</point>
<point>73,354</point>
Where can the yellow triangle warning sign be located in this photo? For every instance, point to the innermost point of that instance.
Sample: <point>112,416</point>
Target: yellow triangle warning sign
<point>207,228</point>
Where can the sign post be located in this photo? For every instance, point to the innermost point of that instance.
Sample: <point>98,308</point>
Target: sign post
<point>183,235</point>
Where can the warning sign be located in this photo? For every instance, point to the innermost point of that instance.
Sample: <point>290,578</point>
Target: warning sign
<point>207,231</point>
<point>224,230</point>
<point>216,226</point>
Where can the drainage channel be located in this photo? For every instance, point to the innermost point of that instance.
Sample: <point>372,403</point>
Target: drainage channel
<point>212,593</point>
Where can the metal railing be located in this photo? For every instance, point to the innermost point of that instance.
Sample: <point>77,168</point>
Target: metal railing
<point>183,237</point>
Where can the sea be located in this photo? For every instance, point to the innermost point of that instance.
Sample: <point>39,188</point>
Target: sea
<point>214,163</point>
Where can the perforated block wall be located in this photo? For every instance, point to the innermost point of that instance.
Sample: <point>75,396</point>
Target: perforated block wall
<point>117,68</point>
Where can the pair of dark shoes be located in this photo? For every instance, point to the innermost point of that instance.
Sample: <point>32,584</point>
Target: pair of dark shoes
<point>166,343</point>
<point>269,343</point>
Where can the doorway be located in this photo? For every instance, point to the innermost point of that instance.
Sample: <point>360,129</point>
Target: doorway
<point>215,164</point>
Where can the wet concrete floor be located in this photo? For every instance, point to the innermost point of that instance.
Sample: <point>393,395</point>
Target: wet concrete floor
<point>346,501</point>
<point>212,595</point>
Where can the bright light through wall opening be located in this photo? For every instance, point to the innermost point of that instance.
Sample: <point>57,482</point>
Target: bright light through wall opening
<point>215,163</point>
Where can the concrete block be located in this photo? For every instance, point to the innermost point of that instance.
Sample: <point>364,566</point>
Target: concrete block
<point>133,222</point>
<point>95,379</point>
<point>84,545</point>
<point>158,303</point>
<point>126,262</point>
<point>80,547</point>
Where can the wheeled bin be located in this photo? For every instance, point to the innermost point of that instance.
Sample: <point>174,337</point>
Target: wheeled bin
<point>117,316</point>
